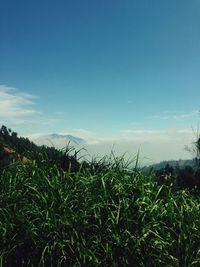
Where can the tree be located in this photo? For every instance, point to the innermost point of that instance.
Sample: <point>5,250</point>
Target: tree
<point>197,149</point>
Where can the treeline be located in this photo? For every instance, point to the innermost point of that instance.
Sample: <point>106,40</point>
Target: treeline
<point>180,174</point>
<point>179,177</point>
<point>23,147</point>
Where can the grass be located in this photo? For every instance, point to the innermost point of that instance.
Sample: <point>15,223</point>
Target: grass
<point>102,215</point>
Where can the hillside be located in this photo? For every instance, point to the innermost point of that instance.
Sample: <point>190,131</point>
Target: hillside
<point>13,147</point>
<point>181,164</point>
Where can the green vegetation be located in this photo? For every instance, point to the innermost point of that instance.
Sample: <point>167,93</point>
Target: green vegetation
<point>101,214</point>
<point>24,147</point>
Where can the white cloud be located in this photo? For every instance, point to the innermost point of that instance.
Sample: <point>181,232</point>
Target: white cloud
<point>174,116</point>
<point>159,135</point>
<point>168,131</point>
<point>141,131</point>
<point>15,105</point>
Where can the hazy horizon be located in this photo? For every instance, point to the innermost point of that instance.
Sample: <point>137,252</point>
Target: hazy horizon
<point>149,152</point>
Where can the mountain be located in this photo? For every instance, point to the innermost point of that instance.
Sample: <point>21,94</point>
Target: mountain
<point>59,141</point>
<point>181,164</point>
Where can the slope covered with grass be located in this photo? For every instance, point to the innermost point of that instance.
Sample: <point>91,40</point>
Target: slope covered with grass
<point>104,216</point>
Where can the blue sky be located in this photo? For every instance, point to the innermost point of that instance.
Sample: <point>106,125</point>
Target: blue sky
<point>105,70</point>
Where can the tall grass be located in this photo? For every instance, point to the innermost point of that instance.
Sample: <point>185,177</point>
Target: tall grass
<point>102,215</point>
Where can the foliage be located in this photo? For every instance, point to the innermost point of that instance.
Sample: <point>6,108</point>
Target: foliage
<point>105,217</point>
<point>24,147</point>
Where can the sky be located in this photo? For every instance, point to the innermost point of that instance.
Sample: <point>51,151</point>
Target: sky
<point>121,74</point>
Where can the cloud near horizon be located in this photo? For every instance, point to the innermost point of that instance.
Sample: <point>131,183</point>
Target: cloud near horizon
<point>128,135</point>
<point>154,145</point>
<point>175,116</point>
<point>15,106</point>
<point>18,108</point>
<point>157,132</point>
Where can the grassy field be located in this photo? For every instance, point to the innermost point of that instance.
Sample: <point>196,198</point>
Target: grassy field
<point>105,216</point>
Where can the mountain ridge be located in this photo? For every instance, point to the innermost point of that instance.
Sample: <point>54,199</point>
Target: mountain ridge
<point>58,140</point>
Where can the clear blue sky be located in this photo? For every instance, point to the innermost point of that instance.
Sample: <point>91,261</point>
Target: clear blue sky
<point>99,65</point>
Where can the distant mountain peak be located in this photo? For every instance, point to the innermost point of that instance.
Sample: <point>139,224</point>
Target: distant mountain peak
<point>59,140</point>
